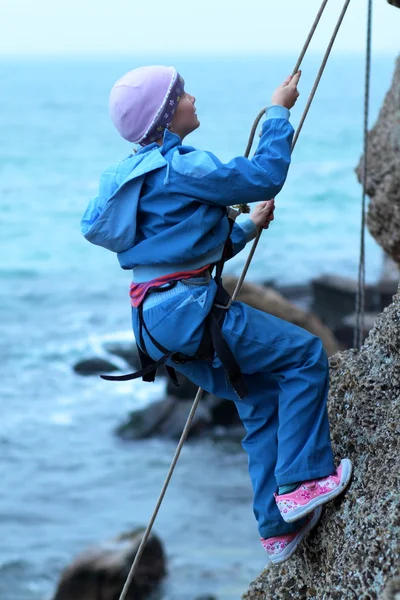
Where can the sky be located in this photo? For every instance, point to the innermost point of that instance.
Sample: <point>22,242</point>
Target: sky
<point>153,27</point>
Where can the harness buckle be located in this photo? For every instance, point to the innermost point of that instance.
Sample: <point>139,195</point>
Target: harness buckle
<point>181,359</point>
<point>224,306</point>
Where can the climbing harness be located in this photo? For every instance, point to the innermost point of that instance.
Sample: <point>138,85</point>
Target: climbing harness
<point>213,341</point>
<point>248,261</point>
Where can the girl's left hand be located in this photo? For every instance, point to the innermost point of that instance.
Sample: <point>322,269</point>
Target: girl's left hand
<point>263,214</point>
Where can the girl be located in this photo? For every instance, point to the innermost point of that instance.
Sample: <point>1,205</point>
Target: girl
<point>164,211</point>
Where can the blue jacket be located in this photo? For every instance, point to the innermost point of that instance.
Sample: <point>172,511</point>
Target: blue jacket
<point>164,208</point>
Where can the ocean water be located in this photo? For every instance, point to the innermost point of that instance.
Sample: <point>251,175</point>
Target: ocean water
<point>67,481</point>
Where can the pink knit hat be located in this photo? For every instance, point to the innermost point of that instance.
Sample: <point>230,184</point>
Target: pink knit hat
<point>143,102</point>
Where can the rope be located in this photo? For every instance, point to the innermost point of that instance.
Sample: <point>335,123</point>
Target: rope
<point>237,289</point>
<point>296,68</point>
<point>310,35</point>
<point>360,297</point>
<point>299,128</point>
<point>321,70</point>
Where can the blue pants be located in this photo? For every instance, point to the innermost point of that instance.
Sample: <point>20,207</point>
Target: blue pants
<point>287,374</point>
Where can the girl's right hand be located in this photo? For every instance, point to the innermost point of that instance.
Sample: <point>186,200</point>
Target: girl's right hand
<point>263,214</point>
<point>287,93</point>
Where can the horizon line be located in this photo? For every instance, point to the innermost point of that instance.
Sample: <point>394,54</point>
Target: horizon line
<point>200,54</point>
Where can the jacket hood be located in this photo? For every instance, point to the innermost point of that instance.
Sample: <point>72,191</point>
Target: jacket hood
<point>110,218</point>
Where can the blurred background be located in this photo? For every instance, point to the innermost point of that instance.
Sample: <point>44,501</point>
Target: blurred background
<point>67,480</point>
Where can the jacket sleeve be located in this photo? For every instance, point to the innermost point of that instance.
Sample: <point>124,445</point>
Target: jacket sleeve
<point>203,176</point>
<point>241,234</point>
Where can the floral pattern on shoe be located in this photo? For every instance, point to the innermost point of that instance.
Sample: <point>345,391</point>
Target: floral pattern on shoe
<point>311,494</point>
<point>275,545</point>
<point>280,548</point>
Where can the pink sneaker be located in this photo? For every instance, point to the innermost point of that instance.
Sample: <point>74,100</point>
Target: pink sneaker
<point>282,547</point>
<point>311,494</point>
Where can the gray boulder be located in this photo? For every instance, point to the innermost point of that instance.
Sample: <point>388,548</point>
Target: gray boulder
<point>94,366</point>
<point>165,418</point>
<point>101,571</point>
<point>109,357</point>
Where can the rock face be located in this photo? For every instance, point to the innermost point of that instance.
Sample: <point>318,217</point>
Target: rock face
<point>355,550</point>
<point>383,178</point>
<point>354,553</point>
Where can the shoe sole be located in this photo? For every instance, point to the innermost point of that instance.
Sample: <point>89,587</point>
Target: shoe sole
<point>303,511</point>
<point>292,547</point>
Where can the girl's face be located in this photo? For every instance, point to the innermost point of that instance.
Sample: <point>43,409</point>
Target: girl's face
<point>185,118</point>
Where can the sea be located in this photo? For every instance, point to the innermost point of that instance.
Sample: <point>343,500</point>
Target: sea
<point>67,481</point>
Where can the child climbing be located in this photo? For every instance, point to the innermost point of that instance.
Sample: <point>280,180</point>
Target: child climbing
<point>164,211</point>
